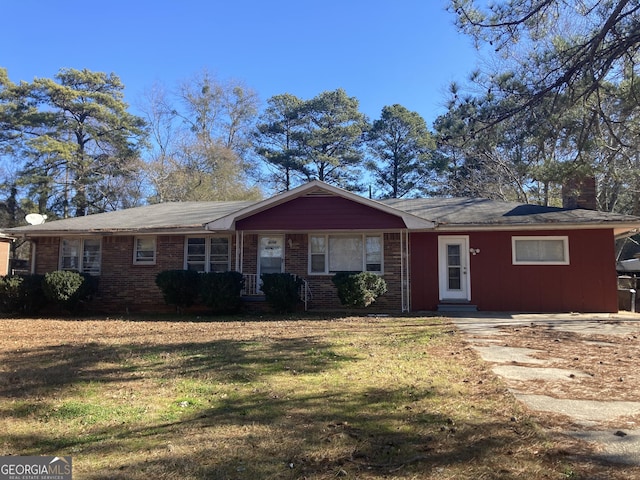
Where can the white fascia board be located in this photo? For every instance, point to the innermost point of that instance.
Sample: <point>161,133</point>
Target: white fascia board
<point>416,223</point>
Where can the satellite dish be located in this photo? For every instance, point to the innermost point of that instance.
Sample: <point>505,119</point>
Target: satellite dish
<point>35,219</point>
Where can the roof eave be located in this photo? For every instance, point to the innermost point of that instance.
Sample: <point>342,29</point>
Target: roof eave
<point>111,231</point>
<point>619,229</point>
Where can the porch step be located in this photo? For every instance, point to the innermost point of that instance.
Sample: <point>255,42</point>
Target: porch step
<point>253,298</point>
<point>457,307</point>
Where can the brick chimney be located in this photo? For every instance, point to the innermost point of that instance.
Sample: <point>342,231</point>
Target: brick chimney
<point>580,192</point>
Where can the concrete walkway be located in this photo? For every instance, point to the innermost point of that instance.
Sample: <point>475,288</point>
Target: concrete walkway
<point>486,334</point>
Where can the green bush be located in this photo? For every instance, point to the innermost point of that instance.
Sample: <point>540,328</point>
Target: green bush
<point>359,289</point>
<point>69,289</point>
<point>221,291</point>
<point>179,287</point>
<point>281,291</point>
<point>21,294</point>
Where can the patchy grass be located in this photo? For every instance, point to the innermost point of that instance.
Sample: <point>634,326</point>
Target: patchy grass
<point>314,398</point>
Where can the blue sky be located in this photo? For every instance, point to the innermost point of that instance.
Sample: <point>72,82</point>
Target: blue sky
<point>381,52</point>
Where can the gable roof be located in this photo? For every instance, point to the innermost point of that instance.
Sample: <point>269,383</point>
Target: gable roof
<point>317,188</point>
<point>443,214</point>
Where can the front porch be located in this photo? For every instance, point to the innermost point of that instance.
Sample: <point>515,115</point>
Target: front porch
<point>256,253</point>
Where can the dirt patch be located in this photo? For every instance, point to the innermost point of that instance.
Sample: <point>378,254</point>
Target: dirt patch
<point>606,366</point>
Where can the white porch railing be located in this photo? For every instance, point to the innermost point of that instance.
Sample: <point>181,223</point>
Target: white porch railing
<point>252,289</point>
<point>250,285</point>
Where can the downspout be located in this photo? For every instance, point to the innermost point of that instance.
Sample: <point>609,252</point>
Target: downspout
<point>242,251</point>
<point>406,276</point>
<point>238,252</point>
<point>32,267</point>
<point>408,269</point>
<point>402,305</point>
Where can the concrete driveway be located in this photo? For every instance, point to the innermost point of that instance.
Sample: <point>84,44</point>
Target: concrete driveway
<point>534,355</point>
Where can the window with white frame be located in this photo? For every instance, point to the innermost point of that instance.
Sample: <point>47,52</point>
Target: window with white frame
<point>345,253</point>
<point>540,250</point>
<point>144,250</point>
<point>80,254</point>
<point>208,254</point>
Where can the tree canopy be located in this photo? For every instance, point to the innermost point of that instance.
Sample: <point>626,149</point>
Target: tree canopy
<point>201,137</point>
<point>560,102</point>
<point>560,50</point>
<point>81,146</point>
<point>402,147</point>
<point>320,138</point>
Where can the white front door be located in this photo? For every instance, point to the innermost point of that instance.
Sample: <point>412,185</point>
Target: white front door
<point>270,254</point>
<point>453,268</point>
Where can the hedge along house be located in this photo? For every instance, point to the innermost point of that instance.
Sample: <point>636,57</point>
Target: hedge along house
<point>434,254</point>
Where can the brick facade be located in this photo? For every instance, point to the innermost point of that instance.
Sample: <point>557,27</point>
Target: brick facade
<point>323,293</point>
<point>123,286</point>
<point>126,287</point>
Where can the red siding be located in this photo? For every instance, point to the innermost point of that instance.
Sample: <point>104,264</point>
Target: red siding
<point>588,284</point>
<point>320,213</point>
<point>423,249</point>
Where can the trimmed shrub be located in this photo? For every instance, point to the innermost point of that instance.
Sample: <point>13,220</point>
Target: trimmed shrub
<point>21,294</point>
<point>221,291</point>
<point>179,287</point>
<point>69,289</point>
<point>281,291</point>
<point>358,289</point>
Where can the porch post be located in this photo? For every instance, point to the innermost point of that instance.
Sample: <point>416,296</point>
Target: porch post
<point>239,249</point>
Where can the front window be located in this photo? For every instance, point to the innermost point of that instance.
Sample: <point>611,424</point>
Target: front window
<point>81,255</point>
<point>208,254</point>
<point>345,253</point>
<point>540,250</point>
<point>144,251</point>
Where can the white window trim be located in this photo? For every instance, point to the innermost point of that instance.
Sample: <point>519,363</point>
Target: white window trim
<point>565,244</point>
<point>146,261</point>
<point>364,252</point>
<point>80,268</point>
<point>207,251</point>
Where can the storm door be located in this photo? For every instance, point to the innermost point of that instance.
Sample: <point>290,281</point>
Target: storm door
<point>453,268</point>
<point>270,255</point>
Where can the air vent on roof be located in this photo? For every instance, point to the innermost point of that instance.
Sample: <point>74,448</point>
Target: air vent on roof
<point>319,193</point>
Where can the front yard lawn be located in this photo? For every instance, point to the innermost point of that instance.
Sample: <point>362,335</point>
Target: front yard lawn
<point>314,398</point>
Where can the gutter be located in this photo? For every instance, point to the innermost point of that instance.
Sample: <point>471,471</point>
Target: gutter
<point>111,233</point>
<point>624,229</point>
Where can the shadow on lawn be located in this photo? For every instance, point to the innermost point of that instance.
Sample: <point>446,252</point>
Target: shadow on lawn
<point>35,372</point>
<point>328,435</point>
<point>257,432</point>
